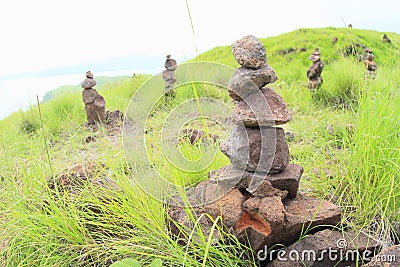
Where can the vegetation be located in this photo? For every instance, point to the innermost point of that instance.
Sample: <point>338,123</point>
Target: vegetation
<point>346,138</point>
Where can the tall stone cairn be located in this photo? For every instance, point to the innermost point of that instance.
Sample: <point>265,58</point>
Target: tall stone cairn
<point>168,75</point>
<point>315,71</point>
<point>257,194</point>
<point>95,105</point>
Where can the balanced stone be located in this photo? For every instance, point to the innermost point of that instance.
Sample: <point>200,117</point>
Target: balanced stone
<point>262,108</point>
<point>287,180</point>
<point>168,76</point>
<point>88,83</point>
<point>246,81</point>
<point>262,150</point>
<point>249,52</point>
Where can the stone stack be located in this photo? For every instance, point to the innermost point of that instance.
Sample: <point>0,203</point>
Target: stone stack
<point>369,64</point>
<point>257,194</point>
<point>315,71</point>
<point>168,75</point>
<point>95,105</point>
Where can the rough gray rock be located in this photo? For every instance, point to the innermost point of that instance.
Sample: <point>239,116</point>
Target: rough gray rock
<point>257,150</point>
<point>249,52</point>
<point>262,108</point>
<point>287,180</point>
<point>246,81</point>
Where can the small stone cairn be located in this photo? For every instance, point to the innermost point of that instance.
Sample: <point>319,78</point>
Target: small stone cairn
<point>314,72</point>
<point>257,194</point>
<point>95,105</point>
<point>369,64</point>
<point>168,75</point>
<point>386,39</point>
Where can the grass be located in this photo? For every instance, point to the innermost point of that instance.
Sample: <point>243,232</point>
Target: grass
<point>346,136</point>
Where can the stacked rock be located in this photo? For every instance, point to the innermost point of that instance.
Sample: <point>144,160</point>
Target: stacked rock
<point>95,105</point>
<point>257,194</point>
<point>314,72</point>
<point>386,39</point>
<point>369,64</point>
<point>168,75</point>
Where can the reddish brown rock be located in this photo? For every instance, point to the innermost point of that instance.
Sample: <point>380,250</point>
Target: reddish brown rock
<point>307,212</point>
<point>265,189</point>
<point>246,81</point>
<point>263,108</point>
<point>262,218</point>
<point>388,257</point>
<point>329,249</point>
<point>261,150</point>
<point>228,207</point>
<point>249,52</point>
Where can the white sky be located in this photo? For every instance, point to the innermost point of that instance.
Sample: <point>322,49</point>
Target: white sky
<point>44,34</point>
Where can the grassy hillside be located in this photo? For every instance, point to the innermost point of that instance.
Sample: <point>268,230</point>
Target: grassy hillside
<point>346,135</point>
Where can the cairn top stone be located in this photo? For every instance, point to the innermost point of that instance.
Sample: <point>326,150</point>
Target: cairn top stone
<point>89,74</point>
<point>315,56</point>
<point>249,52</point>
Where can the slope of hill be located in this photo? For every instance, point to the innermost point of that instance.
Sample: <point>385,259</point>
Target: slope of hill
<point>100,80</point>
<point>345,136</point>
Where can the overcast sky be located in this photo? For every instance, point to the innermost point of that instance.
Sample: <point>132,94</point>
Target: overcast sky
<point>37,35</point>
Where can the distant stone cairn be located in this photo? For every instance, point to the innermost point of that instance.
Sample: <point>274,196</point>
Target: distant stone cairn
<point>168,75</point>
<point>315,71</point>
<point>95,105</point>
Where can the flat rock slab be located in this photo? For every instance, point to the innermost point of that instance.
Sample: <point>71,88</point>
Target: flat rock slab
<point>261,149</point>
<point>246,81</point>
<point>388,257</point>
<point>249,52</point>
<point>327,248</point>
<point>262,108</point>
<point>287,180</point>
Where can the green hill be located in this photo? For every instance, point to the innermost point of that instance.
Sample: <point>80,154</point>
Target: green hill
<point>346,136</point>
<point>100,80</point>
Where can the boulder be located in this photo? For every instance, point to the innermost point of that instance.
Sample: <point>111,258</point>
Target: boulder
<point>246,81</point>
<point>249,52</point>
<point>261,149</point>
<point>262,108</point>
